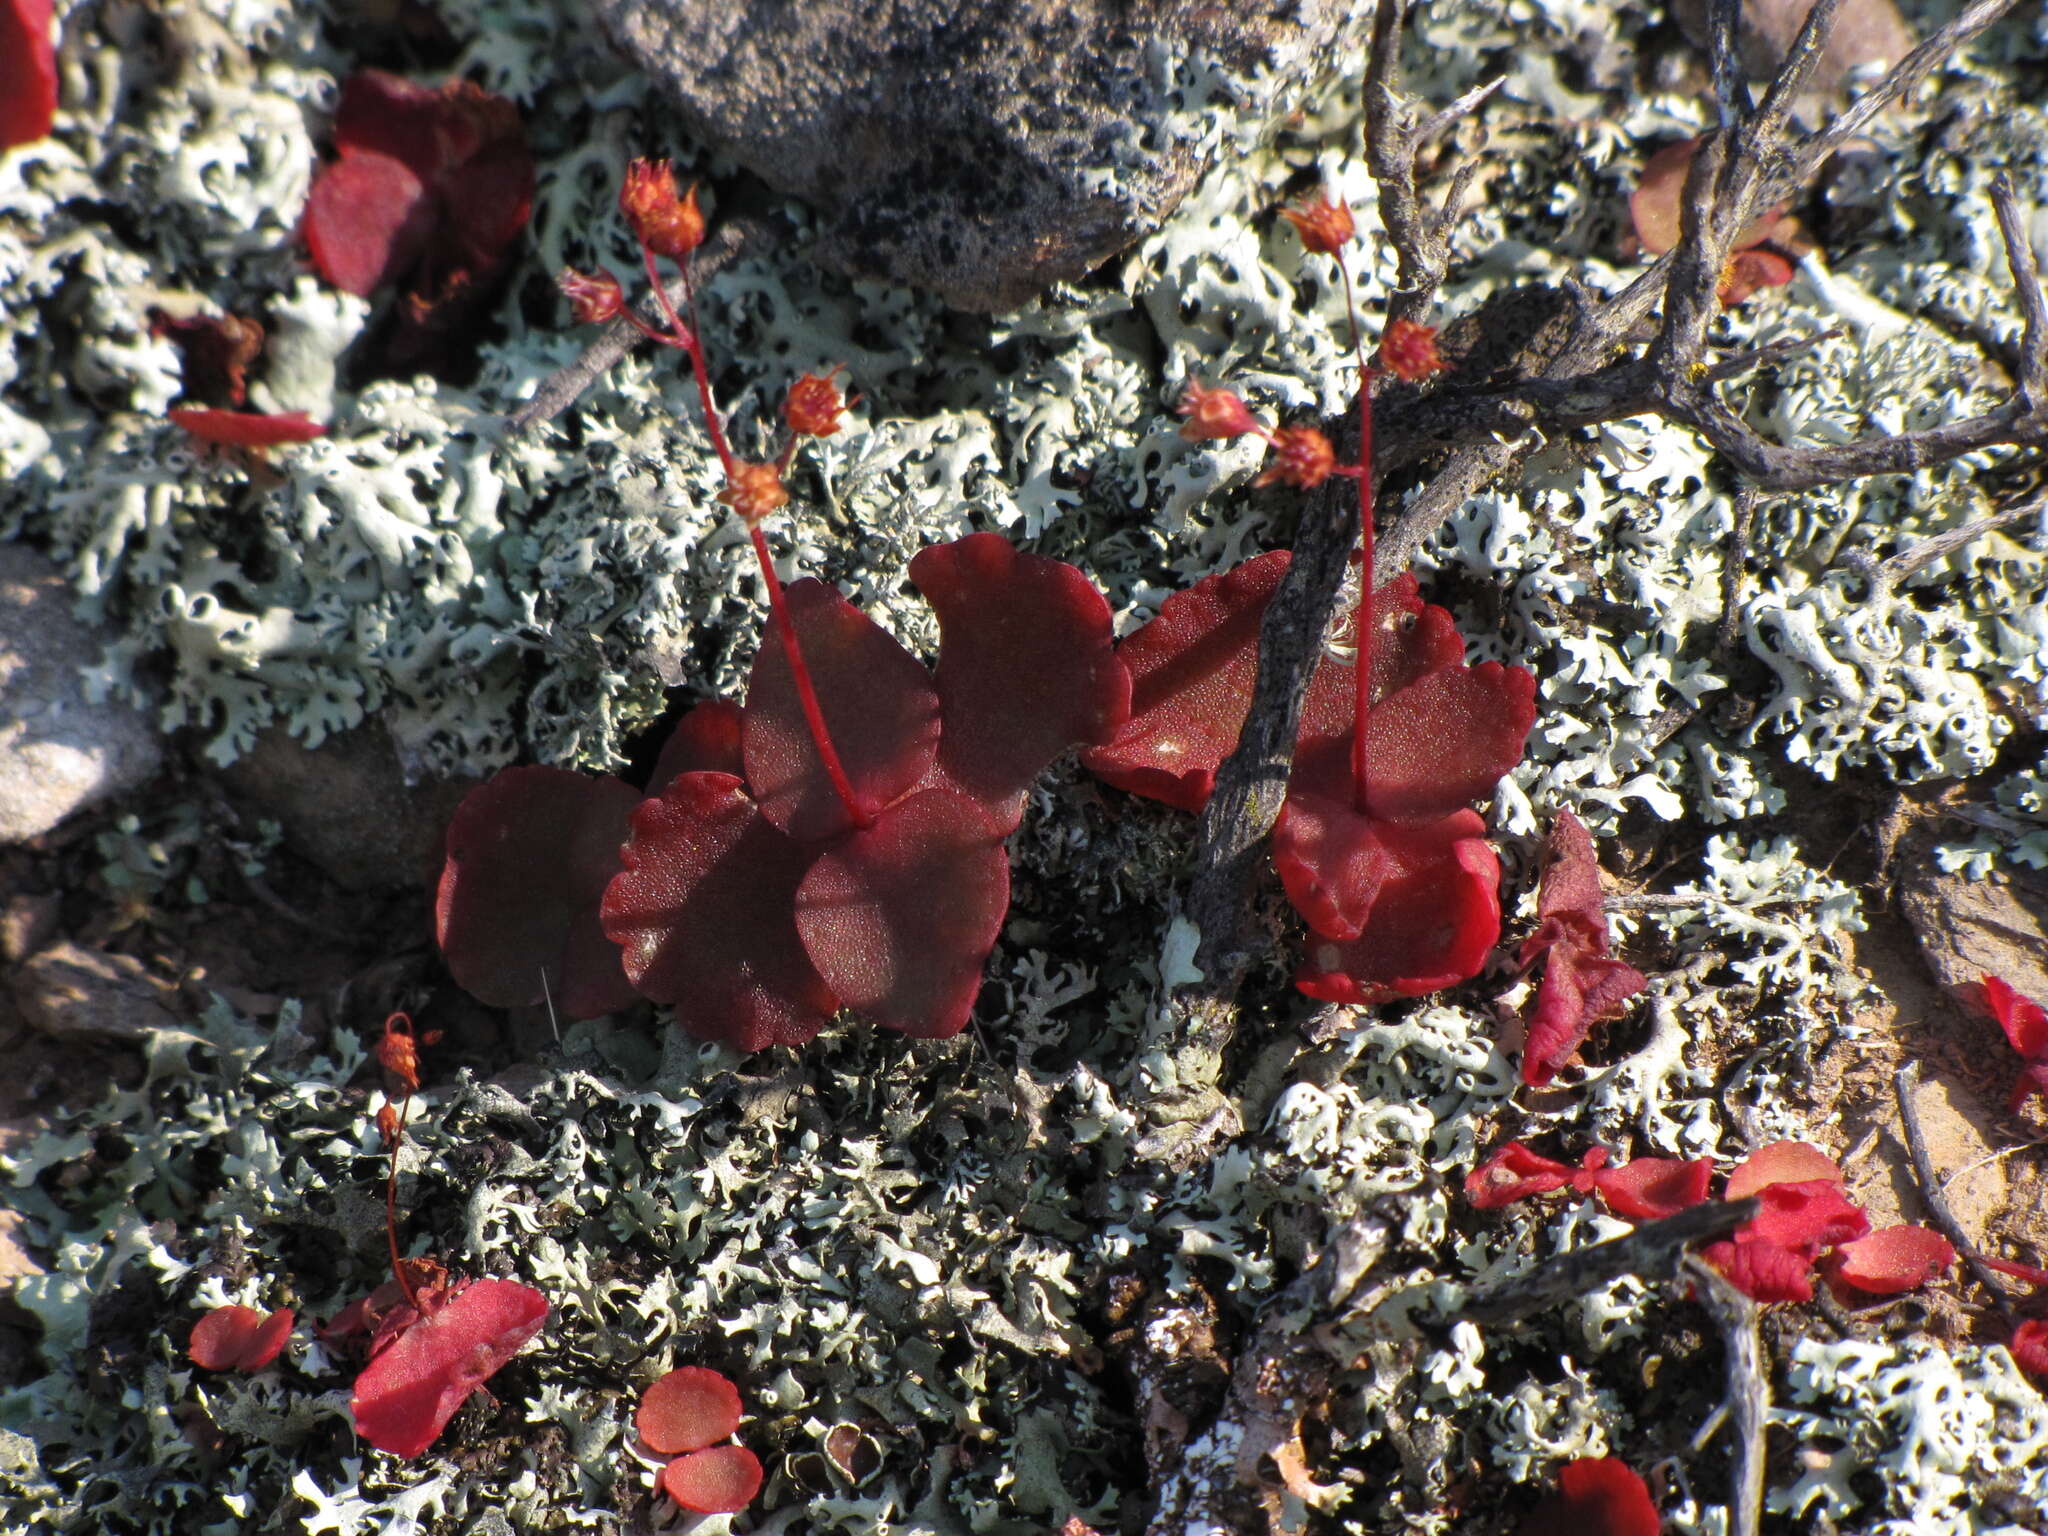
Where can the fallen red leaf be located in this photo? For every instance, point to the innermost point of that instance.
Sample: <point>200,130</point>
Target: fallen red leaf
<point>1779,1162</point>
<point>689,1408</point>
<point>2025,1023</point>
<point>408,1393</point>
<point>2029,1347</point>
<point>28,72</point>
<point>1514,1173</point>
<point>719,1481</point>
<point>1892,1259</point>
<point>1651,1188</point>
<point>1582,983</point>
<point>236,1338</point>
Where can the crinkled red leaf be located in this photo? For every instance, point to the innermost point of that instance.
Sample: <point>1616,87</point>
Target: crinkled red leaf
<point>239,1338</point>
<point>720,1481</point>
<point>245,429</point>
<point>417,125</point>
<point>1192,669</point>
<point>1432,746</point>
<point>1762,1271</point>
<point>706,740</point>
<point>1027,666</point>
<point>367,220</point>
<point>28,72</point>
<point>529,854</point>
<point>1804,1217</point>
<point>1570,902</point>
<point>2025,1023</point>
<point>703,909</point>
<point>406,1396</point>
<point>689,1408</point>
<point>1578,990</point>
<point>2033,1079</point>
<point>1892,1259</point>
<point>1434,921</point>
<point>1596,1496</point>
<point>880,709</point>
<point>1513,1173</point>
<point>2029,1347</point>
<point>1779,1162</point>
<point>1651,1188</point>
<point>900,918</point>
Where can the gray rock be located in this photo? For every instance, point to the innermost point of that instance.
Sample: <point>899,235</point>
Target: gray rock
<point>67,992</point>
<point>1969,929</point>
<point>981,149</point>
<point>345,805</point>
<point>58,753</point>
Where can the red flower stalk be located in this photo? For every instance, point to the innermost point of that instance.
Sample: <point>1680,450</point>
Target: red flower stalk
<point>245,429</point>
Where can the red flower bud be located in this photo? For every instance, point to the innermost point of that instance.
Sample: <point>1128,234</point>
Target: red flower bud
<point>1325,225</point>
<point>1408,350</point>
<point>667,225</point>
<point>388,1126</point>
<point>814,405</point>
<point>1213,413</point>
<point>1302,457</point>
<point>754,491</point>
<point>594,297</point>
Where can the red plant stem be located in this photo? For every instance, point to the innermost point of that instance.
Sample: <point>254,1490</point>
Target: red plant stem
<point>687,337</point>
<point>412,1298</point>
<point>1363,643</point>
<point>806,690</point>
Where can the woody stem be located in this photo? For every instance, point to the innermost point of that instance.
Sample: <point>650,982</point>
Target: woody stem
<point>1362,677</point>
<point>806,690</point>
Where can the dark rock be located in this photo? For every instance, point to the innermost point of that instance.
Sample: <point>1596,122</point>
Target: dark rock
<point>346,807</point>
<point>981,149</point>
<point>58,753</point>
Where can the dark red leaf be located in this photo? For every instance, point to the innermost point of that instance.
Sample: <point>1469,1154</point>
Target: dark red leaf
<point>704,908</point>
<point>1570,903</point>
<point>1762,1271</point>
<point>1433,923</point>
<point>686,1410</point>
<point>2025,1023</point>
<point>1027,666</point>
<point>245,429</point>
<point>2029,1347</point>
<point>1596,1496</point>
<point>367,220</point>
<point>1191,670</point>
<point>486,205</point>
<point>385,114</point>
<point>1892,1259</point>
<point>407,1394</point>
<point>706,740</point>
<point>1513,1173</point>
<point>529,855</point>
<point>880,710</point>
<point>1780,1162</point>
<point>900,918</point>
<point>1804,1218</point>
<point>1578,990</point>
<point>1660,193</point>
<point>720,1481</point>
<point>239,1338</point>
<point>28,72</point>
<point>1651,1188</point>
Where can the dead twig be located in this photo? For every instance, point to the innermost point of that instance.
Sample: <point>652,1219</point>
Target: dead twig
<point>1748,1394</point>
<point>1905,1085</point>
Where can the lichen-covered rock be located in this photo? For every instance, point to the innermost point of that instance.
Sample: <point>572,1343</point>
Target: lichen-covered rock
<point>981,150</point>
<point>60,750</point>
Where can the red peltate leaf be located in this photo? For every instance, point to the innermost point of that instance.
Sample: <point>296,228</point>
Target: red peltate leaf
<point>367,220</point>
<point>245,429</point>
<point>1513,1173</point>
<point>1433,923</point>
<point>900,918</point>
<point>1192,669</point>
<point>28,72</point>
<point>1804,1218</point>
<point>1780,1162</point>
<point>720,1481</point>
<point>529,854</point>
<point>406,1396</point>
<point>706,740</point>
<point>1651,1188</point>
<point>1027,666</point>
<point>703,910</point>
<point>880,709</point>
<point>1892,1259</point>
<point>1762,1271</point>
<point>689,1408</point>
<point>239,1338</point>
<point>1596,1496</point>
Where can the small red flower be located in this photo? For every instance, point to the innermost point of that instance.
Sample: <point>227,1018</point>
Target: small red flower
<point>666,224</point>
<point>1212,414</point>
<point>755,491</point>
<point>1408,350</point>
<point>1325,225</point>
<point>814,405</point>
<point>239,1338</point>
<point>1302,457</point>
<point>594,297</point>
